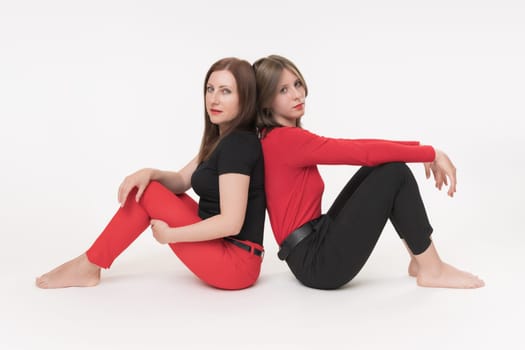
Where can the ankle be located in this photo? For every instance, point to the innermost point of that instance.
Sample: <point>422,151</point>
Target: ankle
<point>435,269</point>
<point>84,260</point>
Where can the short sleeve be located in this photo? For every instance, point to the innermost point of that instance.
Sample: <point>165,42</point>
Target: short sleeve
<point>238,153</point>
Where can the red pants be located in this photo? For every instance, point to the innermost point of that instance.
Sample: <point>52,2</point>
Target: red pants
<point>216,262</point>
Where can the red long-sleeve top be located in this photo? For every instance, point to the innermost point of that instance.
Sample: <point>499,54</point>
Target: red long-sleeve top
<point>293,185</point>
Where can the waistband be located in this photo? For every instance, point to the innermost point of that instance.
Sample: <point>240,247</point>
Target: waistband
<point>247,247</point>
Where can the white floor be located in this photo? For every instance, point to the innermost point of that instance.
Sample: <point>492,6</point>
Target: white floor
<point>149,300</point>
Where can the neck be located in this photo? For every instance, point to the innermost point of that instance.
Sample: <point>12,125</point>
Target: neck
<point>286,121</point>
<point>222,129</point>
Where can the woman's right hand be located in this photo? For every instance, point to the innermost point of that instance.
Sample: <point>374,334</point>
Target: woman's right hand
<point>139,179</point>
<point>444,172</point>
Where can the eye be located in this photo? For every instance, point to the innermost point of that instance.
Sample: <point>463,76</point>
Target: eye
<point>226,91</point>
<point>298,83</point>
<point>283,90</point>
<point>209,89</point>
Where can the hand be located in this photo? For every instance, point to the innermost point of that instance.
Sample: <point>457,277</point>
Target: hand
<point>444,172</point>
<point>161,231</point>
<point>139,179</point>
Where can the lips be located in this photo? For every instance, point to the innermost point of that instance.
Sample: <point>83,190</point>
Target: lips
<point>215,111</point>
<point>298,106</point>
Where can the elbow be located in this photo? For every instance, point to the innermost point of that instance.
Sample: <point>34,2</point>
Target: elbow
<point>234,230</point>
<point>233,227</point>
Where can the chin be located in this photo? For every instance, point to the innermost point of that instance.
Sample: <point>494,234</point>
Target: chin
<point>216,121</point>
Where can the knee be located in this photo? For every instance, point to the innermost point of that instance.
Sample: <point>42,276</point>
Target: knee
<point>154,185</point>
<point>153,188</point>
<point>397,169</point>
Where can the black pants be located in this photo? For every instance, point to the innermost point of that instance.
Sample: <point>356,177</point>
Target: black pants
<point>345,236</point>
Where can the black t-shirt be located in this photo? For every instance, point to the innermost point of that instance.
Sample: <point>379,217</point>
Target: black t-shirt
<point>239,152</point>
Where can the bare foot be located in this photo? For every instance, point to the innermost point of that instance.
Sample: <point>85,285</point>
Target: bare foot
<point>413,268</point>
<point>79,272</point>
<point>447,276</point>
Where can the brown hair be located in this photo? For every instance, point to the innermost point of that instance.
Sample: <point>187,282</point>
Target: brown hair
<point>246,88</point>
<point>268,73</point>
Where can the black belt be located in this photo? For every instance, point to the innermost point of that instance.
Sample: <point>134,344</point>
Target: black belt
<point>245,246</point>
<point>294,238</point>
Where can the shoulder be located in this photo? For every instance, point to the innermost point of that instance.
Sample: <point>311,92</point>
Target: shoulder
<point>288,134</point>
<point>239,152</point>
<point>241,139</point>
<point>288,130</point>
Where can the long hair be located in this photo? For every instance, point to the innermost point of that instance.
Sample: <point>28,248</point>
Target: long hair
<point>244,76</point>
<point>268,73</point>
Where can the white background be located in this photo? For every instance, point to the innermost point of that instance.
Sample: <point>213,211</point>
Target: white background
<point>90,91</point>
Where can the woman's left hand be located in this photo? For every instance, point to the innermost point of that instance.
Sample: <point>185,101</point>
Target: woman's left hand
<point>444,172</point>
<point>161,231</point>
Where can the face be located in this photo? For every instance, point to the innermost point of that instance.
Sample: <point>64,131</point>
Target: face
<point>288,104</point>
<point>222,99</point>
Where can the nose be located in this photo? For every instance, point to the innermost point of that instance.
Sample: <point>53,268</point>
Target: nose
<point>296,93</point>
<point>214,98</point>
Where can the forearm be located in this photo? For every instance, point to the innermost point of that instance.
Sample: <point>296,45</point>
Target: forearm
<point>233,191</point>
<point>408,143</point>
<point>370,153</point>
<point>217,226</point>
<point>170,179</point>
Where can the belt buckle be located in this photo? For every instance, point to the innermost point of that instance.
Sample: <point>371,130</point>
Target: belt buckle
<point>252,250</point>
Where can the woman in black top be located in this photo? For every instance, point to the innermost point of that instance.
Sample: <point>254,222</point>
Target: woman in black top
<point>220,239</point>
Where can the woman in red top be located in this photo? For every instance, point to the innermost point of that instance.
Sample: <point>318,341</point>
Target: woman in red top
<point>219,239</point>
<point>327,251</point>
